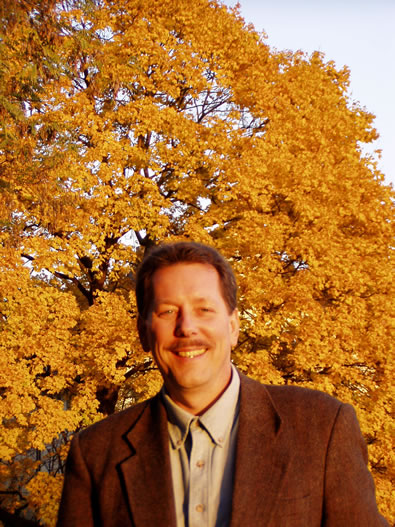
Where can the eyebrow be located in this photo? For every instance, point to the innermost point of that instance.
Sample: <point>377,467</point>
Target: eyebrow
<point>197,300</point>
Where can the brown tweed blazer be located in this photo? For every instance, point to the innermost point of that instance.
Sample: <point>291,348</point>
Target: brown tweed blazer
<point>300,462</point>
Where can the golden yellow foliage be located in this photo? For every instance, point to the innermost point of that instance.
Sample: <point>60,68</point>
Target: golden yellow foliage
<point>123,124</point>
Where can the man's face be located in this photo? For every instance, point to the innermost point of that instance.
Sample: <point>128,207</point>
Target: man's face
<point>189,331</point>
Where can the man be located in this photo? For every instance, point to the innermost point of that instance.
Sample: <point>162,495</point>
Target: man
<point>214,448</point>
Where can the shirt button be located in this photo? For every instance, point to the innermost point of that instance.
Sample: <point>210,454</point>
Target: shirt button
<point>200,464</point>
<point>199,508</point>
<point>179,442</point>
<point>220,440</point>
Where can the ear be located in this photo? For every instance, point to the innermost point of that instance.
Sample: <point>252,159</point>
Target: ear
<point>234,327</point>
<point>143,333</point>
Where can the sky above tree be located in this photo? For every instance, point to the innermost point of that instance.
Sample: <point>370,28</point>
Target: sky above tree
<point>356,33</point>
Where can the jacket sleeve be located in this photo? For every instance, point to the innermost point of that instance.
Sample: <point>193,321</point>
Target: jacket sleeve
<point>76,505</point>
<point>349,494</point>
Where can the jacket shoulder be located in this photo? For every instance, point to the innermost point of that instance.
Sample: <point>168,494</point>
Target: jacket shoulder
<point>114,426</point>
<point>296,403</point>
<point>296,395</point>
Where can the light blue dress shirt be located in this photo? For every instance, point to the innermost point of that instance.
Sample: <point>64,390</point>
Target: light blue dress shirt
<point>202,454</point>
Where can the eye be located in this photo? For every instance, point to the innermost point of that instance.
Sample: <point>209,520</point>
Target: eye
<point>166,313</point>
<point>205,309</point>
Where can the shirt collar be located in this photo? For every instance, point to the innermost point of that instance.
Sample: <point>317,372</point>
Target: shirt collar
<point>217,420</point>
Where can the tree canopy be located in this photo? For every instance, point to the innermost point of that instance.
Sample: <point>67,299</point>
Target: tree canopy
<point>126,123</point>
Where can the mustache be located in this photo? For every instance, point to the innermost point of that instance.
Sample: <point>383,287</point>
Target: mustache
<point>189,343</point>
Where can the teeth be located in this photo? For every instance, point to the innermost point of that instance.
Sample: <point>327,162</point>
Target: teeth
<point>191,354</point>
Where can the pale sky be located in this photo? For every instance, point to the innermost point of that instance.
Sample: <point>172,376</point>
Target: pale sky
<point>357,33</point>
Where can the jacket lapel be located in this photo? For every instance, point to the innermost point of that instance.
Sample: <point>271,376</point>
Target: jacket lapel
<point>146,473</point>
<point>262,457</point>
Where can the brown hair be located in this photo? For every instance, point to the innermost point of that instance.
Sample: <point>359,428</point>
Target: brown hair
<point>183,252</point>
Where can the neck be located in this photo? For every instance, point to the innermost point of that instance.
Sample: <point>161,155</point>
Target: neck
<point>196,401</point>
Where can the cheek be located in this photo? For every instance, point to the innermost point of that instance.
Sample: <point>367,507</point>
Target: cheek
<point>161,334</point>
<point>221,334</point>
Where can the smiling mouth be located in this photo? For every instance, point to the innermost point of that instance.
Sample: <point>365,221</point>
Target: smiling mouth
<point>191,354</point>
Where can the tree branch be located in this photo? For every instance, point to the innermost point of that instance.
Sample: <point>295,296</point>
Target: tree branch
<point>11,520</point>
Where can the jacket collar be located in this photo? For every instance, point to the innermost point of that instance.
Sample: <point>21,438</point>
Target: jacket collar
<point>262,456</point>
<point>146,474</point>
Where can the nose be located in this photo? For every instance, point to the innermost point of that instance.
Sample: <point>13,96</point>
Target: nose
<point>185,324</point>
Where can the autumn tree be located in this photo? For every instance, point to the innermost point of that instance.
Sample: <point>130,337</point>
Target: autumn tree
<point>126,123</point>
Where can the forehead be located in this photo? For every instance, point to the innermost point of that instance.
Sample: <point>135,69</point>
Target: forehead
<point>186,280</point>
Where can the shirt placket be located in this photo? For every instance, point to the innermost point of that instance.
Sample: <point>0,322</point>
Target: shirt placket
<point>199,490</point>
